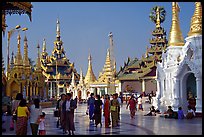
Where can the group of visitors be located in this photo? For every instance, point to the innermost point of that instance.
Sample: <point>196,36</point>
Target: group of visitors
<point>110,109</point>
<point>108,106</point>
<point>180,114</point>
<point>22,113</point>
<point>66,106</point>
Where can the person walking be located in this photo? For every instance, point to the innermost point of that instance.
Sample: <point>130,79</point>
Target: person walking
<point>121,97</point>
<point>15,104</point>
<point>140,107</point>
<point>41,121</point>
<point>97,110</point>
<point>114,111</point>
<point>132,106</point>
<point>68,107</point>
<point>107,111</point>
<point>22,118</point>
<point>90,106</point>
<point>35,112</point>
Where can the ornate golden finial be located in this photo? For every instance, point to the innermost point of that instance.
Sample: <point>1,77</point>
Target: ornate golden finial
<point>90,77</point>
<point>158,18</point>
<point>73,81</point>
<point>44,45</point>
<point>196,21</point>
<point>25,58</point>
<point>58,30</point>
<point>175,35</point>
<point>157,15</point>
<point>18,60</point>
<point>81,77</point>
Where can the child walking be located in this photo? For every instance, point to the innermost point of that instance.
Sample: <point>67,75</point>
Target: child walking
<point>41,126</point>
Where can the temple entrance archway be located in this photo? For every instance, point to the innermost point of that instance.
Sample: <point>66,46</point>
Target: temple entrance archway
<point>188,90</point>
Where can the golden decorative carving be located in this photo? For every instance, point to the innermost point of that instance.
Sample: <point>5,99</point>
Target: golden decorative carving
<point>196,21</point>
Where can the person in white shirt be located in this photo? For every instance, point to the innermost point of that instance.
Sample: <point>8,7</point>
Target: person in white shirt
<point>140,107</point>
<point>35,111</point>
<point>68,107</point>
<point>41,126</point>
<point>190,113</point>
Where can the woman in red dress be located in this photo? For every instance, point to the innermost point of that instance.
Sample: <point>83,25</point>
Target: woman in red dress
<point>132,106</point>
<point>107,111</point>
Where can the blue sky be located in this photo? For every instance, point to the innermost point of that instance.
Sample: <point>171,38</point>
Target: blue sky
<point>85,27</point>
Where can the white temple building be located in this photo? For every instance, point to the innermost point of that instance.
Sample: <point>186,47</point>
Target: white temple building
<point>180,71</point>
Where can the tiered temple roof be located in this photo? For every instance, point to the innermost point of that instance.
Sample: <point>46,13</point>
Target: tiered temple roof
<point>146,66</point>
<point>57,66</point>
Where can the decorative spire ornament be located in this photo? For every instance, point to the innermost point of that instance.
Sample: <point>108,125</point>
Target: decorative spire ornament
<point>196,21</point>
<point>175,35</point>
<point>25,58</point>
<point>44,45</point>
<point>18,60</point>
<point>90,77</point>
<point>58,30</point>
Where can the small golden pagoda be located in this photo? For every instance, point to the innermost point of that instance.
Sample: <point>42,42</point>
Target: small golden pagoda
<point>21,77</point>
<point>106,82</point>
<point>175,35</point>
<point>56,68</point>
<point>138,75</point>
<point>90,77</point>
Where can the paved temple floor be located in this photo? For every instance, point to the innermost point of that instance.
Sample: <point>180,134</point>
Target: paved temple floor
<point>141,125</point>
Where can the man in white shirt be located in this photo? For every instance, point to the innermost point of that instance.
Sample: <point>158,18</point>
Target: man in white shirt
<point>68,107</point>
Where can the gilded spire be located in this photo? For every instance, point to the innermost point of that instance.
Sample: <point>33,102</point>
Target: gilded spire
<point>12,60</point>
<point>107,74</point>
<point>90,77</point>
<point>196,21</point>
<point>58,30</point>
<point>81,77</point>
<point>25,57</point>
<point>158,22</point>
<point>44,45</point>
<point>107,66</point>
<point>175,35</point>
<point>73,81</point>
<point>18,59</point>
<point>38,64</point>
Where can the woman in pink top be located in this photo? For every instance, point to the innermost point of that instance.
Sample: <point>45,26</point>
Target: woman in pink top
<point>132,106</point>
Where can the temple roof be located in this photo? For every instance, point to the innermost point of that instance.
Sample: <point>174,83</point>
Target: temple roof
<point>57,63</point>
